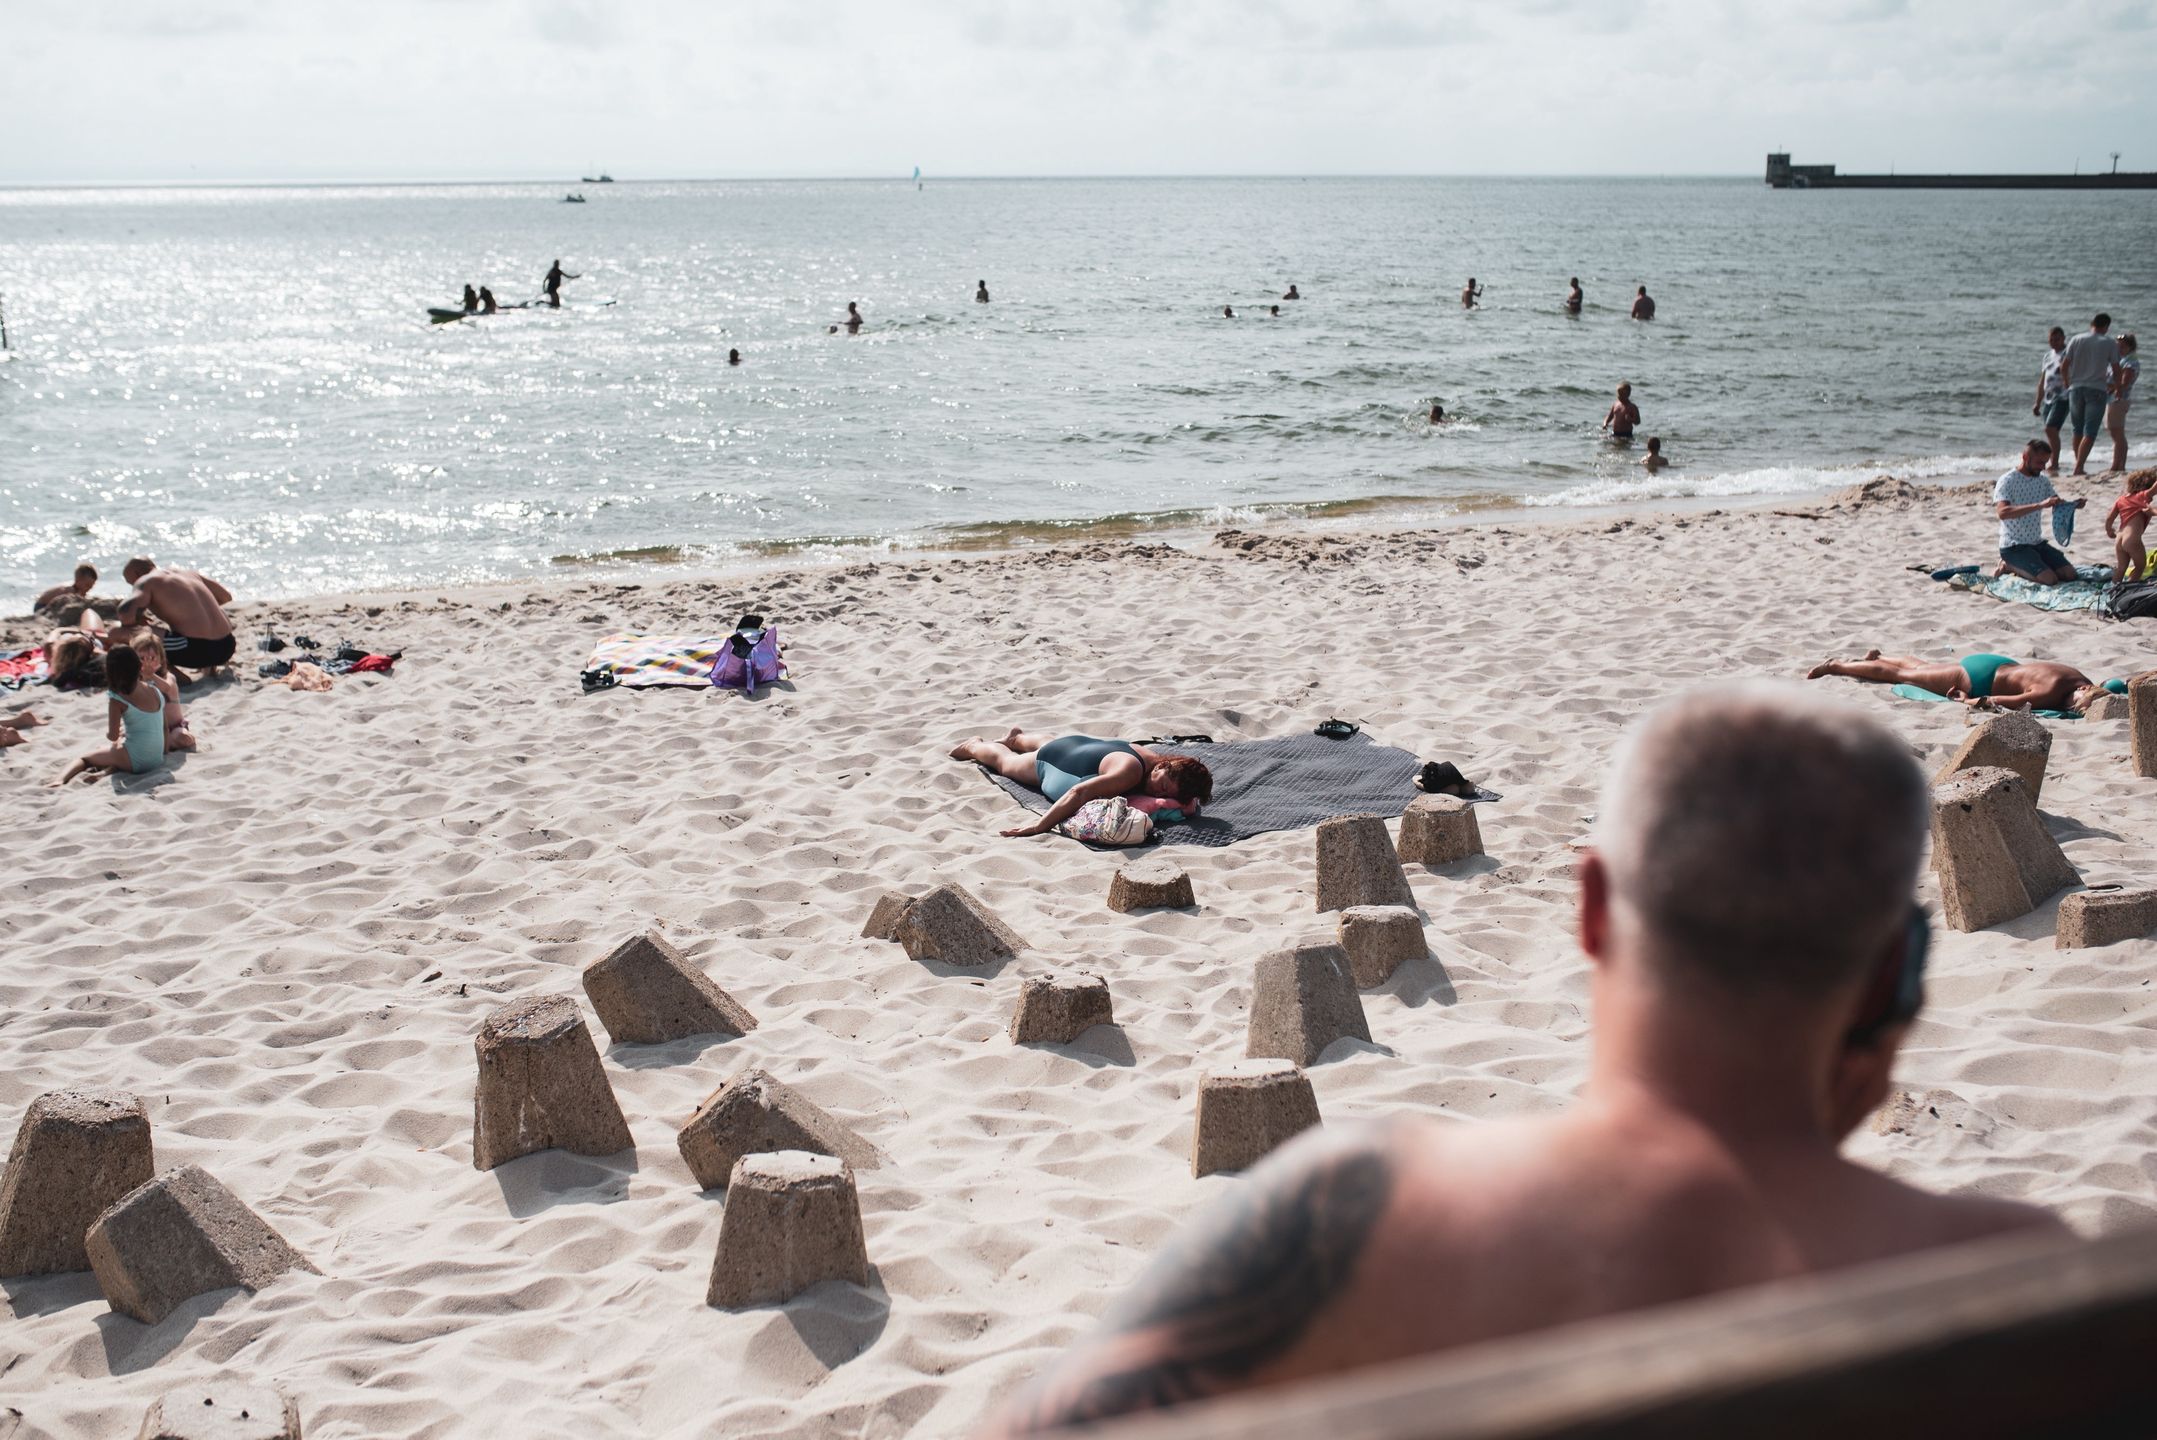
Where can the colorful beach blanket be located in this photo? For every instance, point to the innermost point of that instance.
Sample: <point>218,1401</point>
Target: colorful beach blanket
<point>23,669</point>
<point>1912,692</point>
<point>1290,783</point>
<point>2084,592</point>
<point>643,661</point>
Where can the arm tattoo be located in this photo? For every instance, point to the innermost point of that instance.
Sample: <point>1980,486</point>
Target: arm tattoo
<point>1240,1290</point>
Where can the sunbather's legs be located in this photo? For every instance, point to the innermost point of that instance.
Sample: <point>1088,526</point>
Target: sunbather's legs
<point>1006,761</point>
<point>1025,742</point>
<point>24,719</point>
<point>9,735</point>
<point>1878,669</point>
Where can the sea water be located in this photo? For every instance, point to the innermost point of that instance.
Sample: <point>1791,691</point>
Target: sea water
<point>245,380</point>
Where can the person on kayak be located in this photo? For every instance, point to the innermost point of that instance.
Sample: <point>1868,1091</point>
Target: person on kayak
<point>553,283</point>
<point>471,299</point>
<point>486,301</point>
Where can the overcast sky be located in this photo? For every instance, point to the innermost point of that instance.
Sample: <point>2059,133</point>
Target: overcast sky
<point>145,90</point>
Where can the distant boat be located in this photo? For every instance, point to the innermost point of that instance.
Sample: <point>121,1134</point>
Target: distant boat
<point>598,179</point>
<point>572,199</point>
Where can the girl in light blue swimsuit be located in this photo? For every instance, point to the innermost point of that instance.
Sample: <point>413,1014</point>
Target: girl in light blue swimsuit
<point>135,721</point>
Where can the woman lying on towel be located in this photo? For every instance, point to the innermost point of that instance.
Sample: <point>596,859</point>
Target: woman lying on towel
<point>1073,769</point>
<point>1983,682</point>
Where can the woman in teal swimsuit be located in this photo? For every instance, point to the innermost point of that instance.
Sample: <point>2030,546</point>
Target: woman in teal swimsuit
<point>1985,682</point>
<point>1073,769</point>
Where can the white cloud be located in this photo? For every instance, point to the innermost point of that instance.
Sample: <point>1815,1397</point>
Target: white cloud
<point>266,89</point>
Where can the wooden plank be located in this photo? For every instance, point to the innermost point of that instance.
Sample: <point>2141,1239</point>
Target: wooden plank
<point>2021,1335</point>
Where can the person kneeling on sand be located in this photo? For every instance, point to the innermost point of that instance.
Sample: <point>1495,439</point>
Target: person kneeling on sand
<point>188,601</point>
<point>1073,769</point>
<point>2019,499</point>
<point>1756,959</point>
<point>1982,682</point>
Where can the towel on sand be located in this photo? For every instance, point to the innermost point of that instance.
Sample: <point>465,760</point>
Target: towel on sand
<point>24,668</point>
<point>1912,692</point>
<point>640,661</point>
<point>1289,783</point>
<point>2081,593</point>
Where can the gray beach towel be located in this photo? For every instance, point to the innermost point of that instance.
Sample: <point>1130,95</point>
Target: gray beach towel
<point>1290,783</point>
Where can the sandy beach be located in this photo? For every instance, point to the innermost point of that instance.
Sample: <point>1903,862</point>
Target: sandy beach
<point>286,944</point>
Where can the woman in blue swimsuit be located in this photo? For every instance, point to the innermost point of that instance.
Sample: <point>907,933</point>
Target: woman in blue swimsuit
<point>1073,769</point>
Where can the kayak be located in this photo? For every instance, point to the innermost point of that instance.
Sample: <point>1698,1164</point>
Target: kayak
<point>441,315</point>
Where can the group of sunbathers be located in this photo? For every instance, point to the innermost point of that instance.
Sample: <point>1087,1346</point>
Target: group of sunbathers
<point>173,620</point>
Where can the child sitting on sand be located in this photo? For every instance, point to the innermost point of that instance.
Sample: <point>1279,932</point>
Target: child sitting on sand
<point>151,649</point>
<point>1654,460</point>
<point>137,709</point>
<point>2124,526</point>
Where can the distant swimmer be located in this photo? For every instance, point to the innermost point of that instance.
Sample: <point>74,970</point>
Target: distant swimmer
<point>1438,415</point>
<point>1643,307</point>
<point>486,301</point>
<point>1470,293</point>
<point>981,292</point>
<point>1229,311</point>
<point>1273,311</point>
<point>471,299</point>
<point>1623,415</point>
<point>852,322</point>
<point>553,283</point>
<point>1654,460</point>
<point>1573,297</point>
<point>1292,292</point>
<point>733,357</point>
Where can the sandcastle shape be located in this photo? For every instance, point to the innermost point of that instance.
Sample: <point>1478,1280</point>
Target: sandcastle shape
<point>756,1113</point>
<point>2108,706</point>
<point>646,992</point>
<point>1302,1000</point>
<point>1379,939</point>
<point>1357,864</point>
<point>1438,830</point>
<point>1057,1008</point>
<point>1153,883</point>
<point>1246,1110</point>
<point>792,1220</point>
<point>2010,741</point>
<point>949,925</point>
<point>221,1412</point>
<point>1994,856</point>
<point>541,1086</point>
<point>181,1235</point>
<point>2105,917</point>
<point>76,1152</point>
<point>2142,718</point>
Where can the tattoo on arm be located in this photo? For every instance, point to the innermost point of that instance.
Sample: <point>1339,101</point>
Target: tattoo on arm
<point>1238,1291</point>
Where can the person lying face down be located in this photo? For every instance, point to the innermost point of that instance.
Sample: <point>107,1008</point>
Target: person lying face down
<point>1754,952</point>
<point>1073,769</point>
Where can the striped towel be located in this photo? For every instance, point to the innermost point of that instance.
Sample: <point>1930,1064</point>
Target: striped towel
<point>640,661</point>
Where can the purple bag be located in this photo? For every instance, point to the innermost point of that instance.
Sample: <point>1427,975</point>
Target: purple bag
<point>749,662</point>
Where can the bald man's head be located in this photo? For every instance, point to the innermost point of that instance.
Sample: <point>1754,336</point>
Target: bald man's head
<point>1763,838</point>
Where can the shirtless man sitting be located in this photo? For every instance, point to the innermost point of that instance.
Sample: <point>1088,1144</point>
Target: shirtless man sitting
<point>1746,910</point>
<point>191,604</point>
<point>1982,682</point>
<point>70,595</point>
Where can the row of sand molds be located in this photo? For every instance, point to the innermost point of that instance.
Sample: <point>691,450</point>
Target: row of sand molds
<point>81,1192</point>
<point>2142,716</point>
<point>1994,857</point>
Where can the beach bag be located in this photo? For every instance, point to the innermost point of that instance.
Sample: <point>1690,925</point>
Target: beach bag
<point>2131,600</point>
<point>749,659</point>
<point>1109,822</point>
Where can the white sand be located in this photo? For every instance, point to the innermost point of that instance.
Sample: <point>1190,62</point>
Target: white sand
<point>287,948</point>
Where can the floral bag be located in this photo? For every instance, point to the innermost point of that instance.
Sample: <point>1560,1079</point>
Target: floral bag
<point>1109,822</point>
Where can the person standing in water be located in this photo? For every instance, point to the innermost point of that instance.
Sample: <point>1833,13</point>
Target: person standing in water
<point>1643,307</point>
<point>1573,297</point>
<point>853,321</point>
<point>1623,414</point>
<point>1654,460</point>
<point>553,283</point>
<point>1470,293</point>
<point>1292,293</point>
<point>981,292</point>
<point>733,357</point>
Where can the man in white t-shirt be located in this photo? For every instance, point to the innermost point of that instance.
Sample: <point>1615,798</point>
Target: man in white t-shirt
<point>2021,498</point>
<point>2086,365</point>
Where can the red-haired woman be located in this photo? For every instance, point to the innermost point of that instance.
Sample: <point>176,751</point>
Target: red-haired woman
<point>1073,769</point>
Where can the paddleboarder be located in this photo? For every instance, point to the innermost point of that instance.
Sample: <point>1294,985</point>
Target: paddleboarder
<point>553,283</point>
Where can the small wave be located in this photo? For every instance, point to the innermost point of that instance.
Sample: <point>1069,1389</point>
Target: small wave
<point>1768,480</point>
